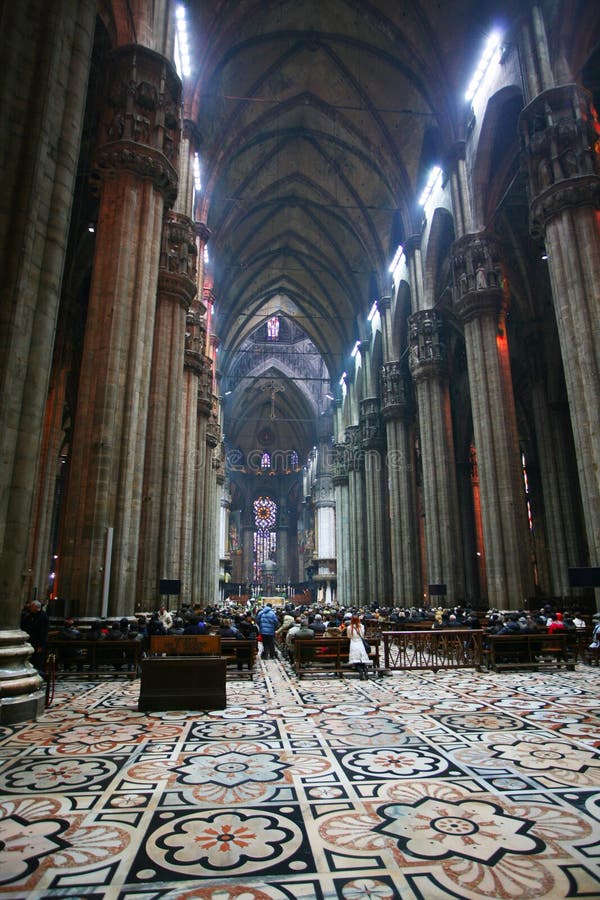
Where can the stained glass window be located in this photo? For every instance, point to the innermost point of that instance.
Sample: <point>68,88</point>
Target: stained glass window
<point>265,537</point>
<point>265,461</point>
<point>273,328</point>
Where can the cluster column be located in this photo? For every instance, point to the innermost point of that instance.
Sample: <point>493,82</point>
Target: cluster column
<point>480,302</point>
<point>136,167</point>
<point>397,412</point>
<point>160,534</point>
<point>372,442</point>
<point>41,120</point>
<point>429,370</point>
<point>559,135</point>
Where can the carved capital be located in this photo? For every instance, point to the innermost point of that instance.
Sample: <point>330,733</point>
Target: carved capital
<point>191,133</point>
<point>340,466</point>
<point>355,457</point>
<point>177,272</point>
<point>395,392</point>
<point>560,153</point>
<point>427,356</point>
<point>454,155</point>
<point>192,360</point>
<point>141,127</point>
<point>203,232</point>
<point>371,433</point>
<point>479,286</point>
<point>412,244</point>
<point>205,397</point>
<point>213,435</point>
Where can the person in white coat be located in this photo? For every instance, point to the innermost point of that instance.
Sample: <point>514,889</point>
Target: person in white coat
<point>357,655</point>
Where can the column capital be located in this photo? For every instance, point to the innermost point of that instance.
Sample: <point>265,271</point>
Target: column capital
<point>190,132</point>
<point>140,131</point>
<point>559,140</point>
<point>427,345</point>
<point>371,434</point>
<point>340,467</point>
<point>454,154</point>
<point>203,232</point>
<point>478,280</point>
<point>355,457</point>
<point>384,303</point>
<point>395,392</point>
<point>213,436</point>
<point>177,272</point>
<point>205,397</point>
<point>412,244</point>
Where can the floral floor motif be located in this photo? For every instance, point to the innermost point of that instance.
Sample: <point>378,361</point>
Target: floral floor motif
<point>413,786</point>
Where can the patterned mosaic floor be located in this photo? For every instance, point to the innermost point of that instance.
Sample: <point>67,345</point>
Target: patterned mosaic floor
<point>456,785</point>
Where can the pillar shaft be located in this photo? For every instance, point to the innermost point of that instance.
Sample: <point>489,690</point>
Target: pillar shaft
<point>480,303</point>
<point>396,410</point>
<point>560,152</point>
<point>135,167</point>
<point>428,366</point>
<point>160,532</point>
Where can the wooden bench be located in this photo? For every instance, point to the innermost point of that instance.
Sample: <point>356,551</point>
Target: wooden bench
<point>530,651</point>
<point>82,657</point>
<point>237,651</point>
<point>315,656</point>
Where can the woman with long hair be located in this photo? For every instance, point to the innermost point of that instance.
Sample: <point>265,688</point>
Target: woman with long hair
<point>357,655</point>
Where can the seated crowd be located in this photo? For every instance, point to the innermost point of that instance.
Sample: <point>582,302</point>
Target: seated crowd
<point>277,628</point>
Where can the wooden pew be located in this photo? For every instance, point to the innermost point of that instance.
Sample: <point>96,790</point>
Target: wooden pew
<point>327,655</point>
<point>93,659</point>
<point>531,651</point>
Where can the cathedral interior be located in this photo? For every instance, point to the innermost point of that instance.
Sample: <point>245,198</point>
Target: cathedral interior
<point>301,298</point>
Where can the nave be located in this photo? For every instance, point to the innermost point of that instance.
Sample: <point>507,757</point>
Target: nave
<point>421,785</point>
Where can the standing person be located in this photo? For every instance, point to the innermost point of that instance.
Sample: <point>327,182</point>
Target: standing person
<point>34,621</point>
<point>357,655</point>
<point>267,622</point>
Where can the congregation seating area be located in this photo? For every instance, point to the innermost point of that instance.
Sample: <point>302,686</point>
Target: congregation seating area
<point>238,653</point>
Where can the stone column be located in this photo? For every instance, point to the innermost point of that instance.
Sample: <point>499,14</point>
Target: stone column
<point>372,442</point>
<point>397,412</point>
<point>480,303</point>
<point>248,545</point>
<point>356,505</point>
<point>553,440</point>
<point>46,50</point>
<point>206,515</point>
<point>136,168</point>
<point>160,532</point>
<point>429,369</point>
<point>282,541</point>
<point>559,135</point>
<point>342,524</point>
<point>191,419</point>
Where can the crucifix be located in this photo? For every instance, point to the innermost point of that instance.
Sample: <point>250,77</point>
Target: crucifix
<point>274,389</point>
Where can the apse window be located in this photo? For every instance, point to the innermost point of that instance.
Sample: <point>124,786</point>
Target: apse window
<point>273,328</point>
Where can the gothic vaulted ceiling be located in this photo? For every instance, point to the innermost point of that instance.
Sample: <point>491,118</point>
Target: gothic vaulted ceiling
<point>318,120</point>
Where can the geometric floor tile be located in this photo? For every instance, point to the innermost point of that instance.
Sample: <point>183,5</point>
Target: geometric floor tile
<point>448,785</point>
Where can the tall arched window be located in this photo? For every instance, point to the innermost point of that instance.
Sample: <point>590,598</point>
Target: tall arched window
<point>265,461</point>
<point>265,536</point>
<point>273,328</point>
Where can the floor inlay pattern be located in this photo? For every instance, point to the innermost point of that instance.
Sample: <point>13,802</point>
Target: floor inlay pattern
<point>432,786</point>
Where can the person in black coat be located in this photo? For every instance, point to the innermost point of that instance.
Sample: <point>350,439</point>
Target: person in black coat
<point>34,622</point>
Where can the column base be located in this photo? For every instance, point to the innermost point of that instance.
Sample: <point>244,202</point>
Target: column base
<point>21,694</point>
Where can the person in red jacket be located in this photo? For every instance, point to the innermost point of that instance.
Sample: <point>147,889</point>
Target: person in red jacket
<point>556,624</point>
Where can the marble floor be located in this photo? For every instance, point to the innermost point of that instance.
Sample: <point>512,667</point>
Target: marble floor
<point>447,785</point>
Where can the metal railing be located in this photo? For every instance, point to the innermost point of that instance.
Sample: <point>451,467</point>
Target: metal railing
<point>454,648</point>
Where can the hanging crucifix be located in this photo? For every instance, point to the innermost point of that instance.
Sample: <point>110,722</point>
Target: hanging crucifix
<point>274,389</point>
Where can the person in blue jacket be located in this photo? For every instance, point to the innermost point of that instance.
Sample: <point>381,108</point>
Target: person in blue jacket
<point>268,623</point>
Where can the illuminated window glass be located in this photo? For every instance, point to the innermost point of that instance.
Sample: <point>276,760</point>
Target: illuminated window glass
<point>273,328</point>
<point>265,461</point>
<point>294,459</point>
<point>265,538</point>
